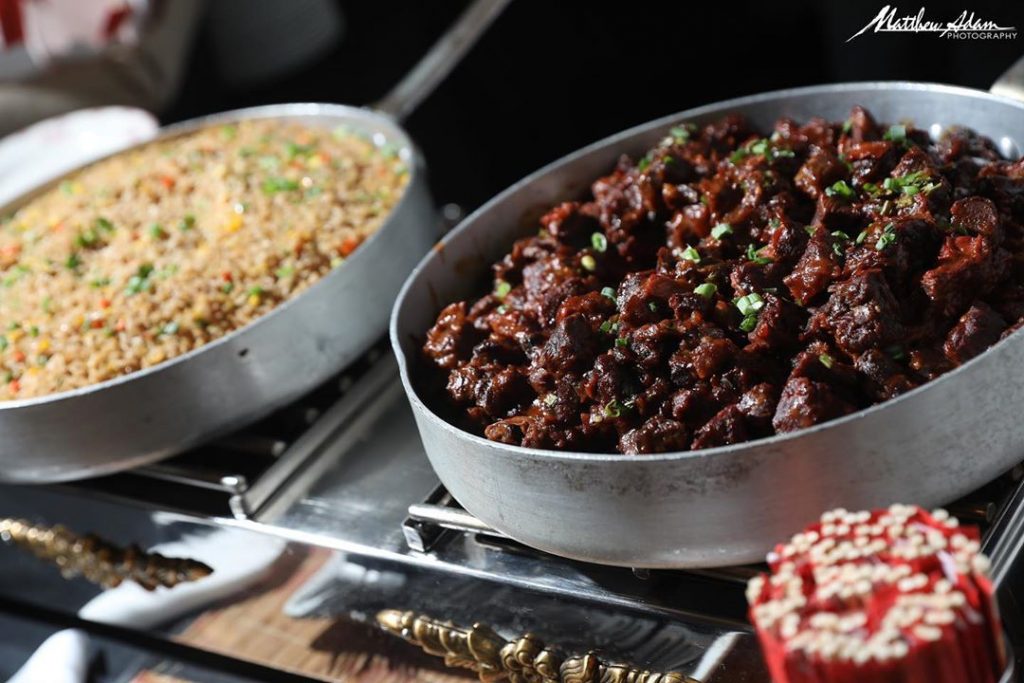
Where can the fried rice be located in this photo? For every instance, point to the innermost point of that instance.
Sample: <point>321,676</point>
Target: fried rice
<point>154,252</point>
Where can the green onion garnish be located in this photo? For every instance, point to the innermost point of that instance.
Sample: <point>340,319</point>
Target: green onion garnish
<point>896,133</point>
<point>681,133</point>
<point>887,238</point>
<point>275,185</point>
<point>706,290</point>
<point>750,304</point>
<point>86,238</point>
<point>753,254</point>
<point>721,230</point>
<point>841,189</point>
<point>612,409</point>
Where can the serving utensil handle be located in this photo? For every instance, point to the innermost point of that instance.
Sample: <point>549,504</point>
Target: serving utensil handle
<point>439,61</point>
<point>523,660</point>
<point>1011,83</point>
<point>97,560</point>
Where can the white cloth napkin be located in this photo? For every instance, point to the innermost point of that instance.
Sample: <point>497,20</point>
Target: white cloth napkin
<point>238,558</point>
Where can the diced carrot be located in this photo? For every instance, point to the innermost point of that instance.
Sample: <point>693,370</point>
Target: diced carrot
<point>167,181</point>
<point>104,303</point>
<point>19,356</point>
<point>227,276</point>
<point>120,326</point>
<point>14,385</point>
<point>348,246</point>
<point>96,324</point>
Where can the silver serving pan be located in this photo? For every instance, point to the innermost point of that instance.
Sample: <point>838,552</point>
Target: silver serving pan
<point>163,410</point>
<point>724,505</point>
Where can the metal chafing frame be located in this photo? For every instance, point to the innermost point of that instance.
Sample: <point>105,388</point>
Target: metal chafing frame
<point>358,482</point>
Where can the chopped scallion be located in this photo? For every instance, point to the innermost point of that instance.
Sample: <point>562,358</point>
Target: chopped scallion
<point>896,133</point>
<point>748,323</point>
<point>721,230</point>
<point>840,189</point>
<point>749,304</point>
<point>706,290</point>
<point>612,409</point>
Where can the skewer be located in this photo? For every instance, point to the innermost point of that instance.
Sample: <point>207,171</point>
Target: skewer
<point>97,560</point>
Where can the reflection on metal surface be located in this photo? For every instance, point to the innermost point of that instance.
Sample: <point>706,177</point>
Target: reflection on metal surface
<point>99,561</point>
<point>524,660</point>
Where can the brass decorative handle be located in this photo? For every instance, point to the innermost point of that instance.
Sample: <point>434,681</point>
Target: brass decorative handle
<point>524,660</point>
<point>99,561</point>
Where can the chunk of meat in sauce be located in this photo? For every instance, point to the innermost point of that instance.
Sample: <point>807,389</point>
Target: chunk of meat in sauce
<point>805,403</point>
<point>884,378</point>
<point>979,328</point>
<point>817,268</point>
<point>451,338</point>
<point>733,283</point>
<point>656,435</point>
<point>861,313</point>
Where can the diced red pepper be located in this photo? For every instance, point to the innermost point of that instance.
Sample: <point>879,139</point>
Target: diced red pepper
<point>348,246</point>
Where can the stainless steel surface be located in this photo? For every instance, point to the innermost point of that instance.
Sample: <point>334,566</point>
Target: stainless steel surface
<point>326,430</point>
<point>351,496</point>
<point>723,505</point>
<point>401,100</point>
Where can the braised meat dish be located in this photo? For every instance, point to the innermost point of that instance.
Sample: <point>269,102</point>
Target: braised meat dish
<point>735,283</point>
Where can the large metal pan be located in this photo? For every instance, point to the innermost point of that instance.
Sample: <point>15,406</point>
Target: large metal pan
<point>722,505</point>
<point>163,410</point>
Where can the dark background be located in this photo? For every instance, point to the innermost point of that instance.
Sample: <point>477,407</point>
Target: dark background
<point>551,77</point>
